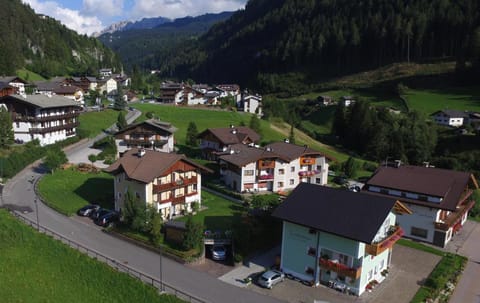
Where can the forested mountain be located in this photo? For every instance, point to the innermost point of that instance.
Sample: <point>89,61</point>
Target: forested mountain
<point>147,47</point>
<point>43,45</point>
<point>318,39</point>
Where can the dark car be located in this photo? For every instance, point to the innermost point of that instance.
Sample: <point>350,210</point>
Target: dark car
<point>108,219</point>
<point>99,213</point>
<point>88,210</point>
<point>340,180</point>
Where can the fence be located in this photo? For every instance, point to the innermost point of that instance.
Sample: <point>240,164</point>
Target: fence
<point>160,285</point>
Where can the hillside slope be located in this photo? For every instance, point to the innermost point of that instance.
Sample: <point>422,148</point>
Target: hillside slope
<point>45,46</point>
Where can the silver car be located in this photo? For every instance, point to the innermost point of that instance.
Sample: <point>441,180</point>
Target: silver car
<point>269,278</point>
<point>219,252</point>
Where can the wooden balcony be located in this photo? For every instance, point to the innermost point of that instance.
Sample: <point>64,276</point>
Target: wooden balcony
<point>375,249</point>
<point>145,142</point>
<point>453,218</point>
<point>176,184</point>
<point>265,164</point>
<point>307,161</point>
<point>23,118</point>
<point>340,269</point>
<point>43,130</point>
<point>179,199</point>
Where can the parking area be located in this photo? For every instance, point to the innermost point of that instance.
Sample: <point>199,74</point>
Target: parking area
<point>409,269</point>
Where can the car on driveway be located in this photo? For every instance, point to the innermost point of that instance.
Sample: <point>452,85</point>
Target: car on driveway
<point>219,252</point>
<point>99,213</point>
<point>108,219</point>
<point>88,210</point>
<point>270,278</point>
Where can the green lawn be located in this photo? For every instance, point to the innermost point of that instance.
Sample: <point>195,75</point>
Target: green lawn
<point>430,101</point>
<point>93,123</point>
<point>180,117</point>
<point>29,76</point>
<point>36,268</point>
<point>68,190</point>
<point>221,214</point>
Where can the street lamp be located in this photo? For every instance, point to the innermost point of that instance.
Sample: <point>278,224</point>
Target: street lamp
<point>36,211</point>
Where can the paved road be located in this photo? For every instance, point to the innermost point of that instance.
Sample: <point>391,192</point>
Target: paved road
<point>19,194</point>
<point>468,288</point>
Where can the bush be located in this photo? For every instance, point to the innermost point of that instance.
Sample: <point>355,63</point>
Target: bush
<point>369,166</point>
<point>237,258</point>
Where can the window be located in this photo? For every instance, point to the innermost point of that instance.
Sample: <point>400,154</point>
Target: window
<point>292,181</point>
<point>317,181</point>
<point>280,184</point>
<point>309,270</point>
<point>312,231</point>
<point>137,195</point>
<point>419,232</point>
<point>319,167</point>
<point>281,171</point>
<point>369,276</point>
<point>311,251</point>
<point>343,259</point>
<point>248,172</point>
<point>292,169</point>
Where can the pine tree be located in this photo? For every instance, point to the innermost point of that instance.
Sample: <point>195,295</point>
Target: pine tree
<point>6,128</point>
<point>121,121</point>
<point>120,103</point>
<point>192,133</point>
<point>255,124</point>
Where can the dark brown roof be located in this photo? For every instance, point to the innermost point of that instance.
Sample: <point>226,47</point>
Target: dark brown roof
<point>356,216</point>
<point>151,165</point>
<point>232,135</point>
<point>291,151</point>
<point>443,183</point>
<point>241,154</point>
<point>159,125</point>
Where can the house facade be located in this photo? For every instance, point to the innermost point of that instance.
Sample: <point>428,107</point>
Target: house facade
<point>150,134</point>
<point>6,89</point>
<point>17,83</point>
<point>276,167</point>
<point>168,182</point>
<point>171,92</point>
<point>440,199</point>
<point>251,104</point>
<point>48,119</point>
<point>449,117</point>
<point>338,238</point>
<point>217,140</point>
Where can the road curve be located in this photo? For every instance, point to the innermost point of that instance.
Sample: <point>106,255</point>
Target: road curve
<point>19,195</point>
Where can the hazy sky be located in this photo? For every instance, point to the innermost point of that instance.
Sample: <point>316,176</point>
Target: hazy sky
<point>89,16</point>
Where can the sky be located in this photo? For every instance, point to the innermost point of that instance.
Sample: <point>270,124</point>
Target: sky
<point>90,16</point>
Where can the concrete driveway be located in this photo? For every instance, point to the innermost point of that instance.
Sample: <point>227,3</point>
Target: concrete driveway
<point>408,270</point>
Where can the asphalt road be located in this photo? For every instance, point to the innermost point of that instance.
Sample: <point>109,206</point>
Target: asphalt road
<point>19,194</point>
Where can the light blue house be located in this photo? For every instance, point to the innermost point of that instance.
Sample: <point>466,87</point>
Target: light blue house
<point>337,237</point>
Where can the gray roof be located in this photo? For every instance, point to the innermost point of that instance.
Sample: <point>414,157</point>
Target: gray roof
<point>452,113</point>
<point>291,151</point>
<point>44,101</point>
<point>241,155</point>
<point>9,79</point>
<point>355,216</point>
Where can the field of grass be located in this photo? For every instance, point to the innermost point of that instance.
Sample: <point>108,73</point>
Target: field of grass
<point>180,117</point>
<point>68,190</point>
<point>36,268</point>
<point>29,76</point>
<point>430,101</point>
<point>221,213</point>
<point>93,123</point>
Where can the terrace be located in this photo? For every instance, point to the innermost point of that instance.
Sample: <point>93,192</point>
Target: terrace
<point>454,217</point>
<point>394,234</point>
<point>340,269</point>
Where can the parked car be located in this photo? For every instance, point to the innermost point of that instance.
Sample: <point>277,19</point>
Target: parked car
<point>270,278</point>
<point>219,252</point>
<point>88,210</point>
<point>99,213</point>
<point>354,188</point>
<point>340,180</point>
<point>108,219</point>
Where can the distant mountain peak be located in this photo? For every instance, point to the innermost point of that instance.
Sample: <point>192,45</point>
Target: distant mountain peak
<point>145,23</point>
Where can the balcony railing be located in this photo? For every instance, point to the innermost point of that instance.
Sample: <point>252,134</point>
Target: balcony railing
<point>340,269</point>
<point>308,173</point>
<point>265,177</point>
<point>175,184</point>
<point>394,235</point>
<point>23,118</point>
<point>263,164</point>
<point>42,130</point>
<point>307,161</point>
<point>454,217</point>
<point>145,142</point>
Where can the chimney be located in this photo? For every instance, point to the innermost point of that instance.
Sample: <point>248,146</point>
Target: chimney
<point>234,131</point>
<point>141,152</point>
<point>286,140</point>
<point>232,126</point>
<point>398,163</point>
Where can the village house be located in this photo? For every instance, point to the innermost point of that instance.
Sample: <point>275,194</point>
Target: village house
<point>171,92</point>
<point>104,73</point>
<point>449,117</point>
<point>6,89</point>
<point>61,87</point>
<point>218,140</point>
<point>338,238</point>
<point>347,101</point>
<point>16,82</point>
<point>232,90</point>
<point>150,134</point>
<point>276,167</point>
<point>47,118</point>
<point>440,199</point>
<point>170,183</point>
<point>107,86</point>
<point>251,104</point>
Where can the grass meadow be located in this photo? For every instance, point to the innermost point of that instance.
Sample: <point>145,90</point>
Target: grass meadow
<point>68,190</point>
<point>93,123</point>
<point>37,268</point>
<point>430,101</point>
